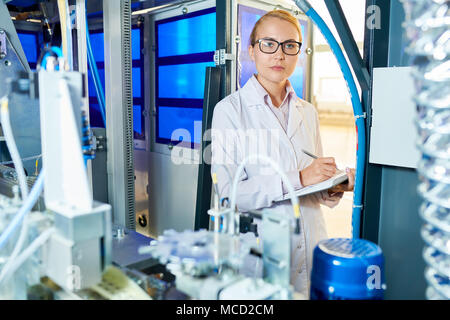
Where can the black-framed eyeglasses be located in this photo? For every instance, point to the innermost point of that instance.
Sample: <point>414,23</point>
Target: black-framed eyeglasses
<point>289,47</point>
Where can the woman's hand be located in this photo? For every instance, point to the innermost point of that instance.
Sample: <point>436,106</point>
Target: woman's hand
<point>319,170</point>
<point>348,186</point>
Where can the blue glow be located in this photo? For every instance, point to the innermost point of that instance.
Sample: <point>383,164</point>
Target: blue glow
<point>297,80</point>
<point>173,118</point>
<point>187,36</point>
<point>98,48</point>
<point>136,44</point>
<point>136,82</point>
<point>183,81</point>
<point>29,45</point>
<point>91,86</point>
<point>137,119</point>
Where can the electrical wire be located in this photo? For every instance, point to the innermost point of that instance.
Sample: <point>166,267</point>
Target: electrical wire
<point>24,210</point>
<point>10,142</point>
<point>27,253</point>
<point>357,110</point>
<point>95,76</point>
<point>284,178</point>
<point>24,159</point>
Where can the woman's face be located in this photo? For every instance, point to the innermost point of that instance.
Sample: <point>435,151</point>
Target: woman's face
<point>276,67</point>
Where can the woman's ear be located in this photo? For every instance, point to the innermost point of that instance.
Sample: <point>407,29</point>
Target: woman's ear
<point>251,52</point>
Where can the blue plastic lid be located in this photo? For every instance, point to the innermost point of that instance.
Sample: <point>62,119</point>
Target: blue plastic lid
<point>348,268</point>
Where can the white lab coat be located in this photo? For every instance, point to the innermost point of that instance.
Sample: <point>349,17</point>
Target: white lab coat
<point>260,185</point>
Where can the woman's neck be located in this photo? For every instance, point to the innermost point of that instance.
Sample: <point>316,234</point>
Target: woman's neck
<point>276,91</point>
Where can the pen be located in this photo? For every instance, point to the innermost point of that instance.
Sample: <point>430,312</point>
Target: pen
<point>310,154</point>
<point>314,156</point>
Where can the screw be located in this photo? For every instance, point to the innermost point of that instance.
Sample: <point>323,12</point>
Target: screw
<point>7,63</point>
<point>184,10</point>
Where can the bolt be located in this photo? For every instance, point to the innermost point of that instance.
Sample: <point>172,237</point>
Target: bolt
<point>7,63</point>
<point>2,31</point>
<point>184,10</point>
<point>24,84</point>
<point>2,55</point>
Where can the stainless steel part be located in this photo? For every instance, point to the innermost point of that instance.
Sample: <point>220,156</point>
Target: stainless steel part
<point>119,110</point>
<point>80,249</point>
<point>427,27</point>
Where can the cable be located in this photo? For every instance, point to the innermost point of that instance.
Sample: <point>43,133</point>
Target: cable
<point>28,252</point>
<point>25,209</point>
<point>56,50</point>
<point>19,244</point>
<point>284,178</point>
<point>357,110</point>
<point>95,76</point>
<point>15,156</point>
<point>24,159</point>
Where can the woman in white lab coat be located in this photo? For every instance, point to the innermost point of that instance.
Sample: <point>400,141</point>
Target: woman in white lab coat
<point>266,117</point>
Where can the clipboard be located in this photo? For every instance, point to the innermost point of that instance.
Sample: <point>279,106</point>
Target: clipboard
<point>338,178</point>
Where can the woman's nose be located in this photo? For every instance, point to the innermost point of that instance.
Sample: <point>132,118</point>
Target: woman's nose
<point>279,54</point>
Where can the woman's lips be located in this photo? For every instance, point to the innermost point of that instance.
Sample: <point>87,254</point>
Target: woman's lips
<point>277,68</point>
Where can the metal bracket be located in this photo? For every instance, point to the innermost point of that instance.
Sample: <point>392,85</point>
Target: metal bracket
<point>99,142</point>
<point>221,57</point>
<point>3,40</point>
<point>364,115</point>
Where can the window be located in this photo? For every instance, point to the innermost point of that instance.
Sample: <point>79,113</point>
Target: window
<point>185,47</point>
<point>97,42</point>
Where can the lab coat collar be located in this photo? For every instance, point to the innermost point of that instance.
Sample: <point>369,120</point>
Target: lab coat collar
<point>254,94</point>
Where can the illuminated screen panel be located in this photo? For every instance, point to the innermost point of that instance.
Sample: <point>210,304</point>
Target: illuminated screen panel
<point>175,120</point>
<point>185,48</point>
<point>97,43</point>
<point>187,36</point>
<point>183,81</point>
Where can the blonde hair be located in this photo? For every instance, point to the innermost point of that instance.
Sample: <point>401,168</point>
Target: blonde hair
<point>280,14</point>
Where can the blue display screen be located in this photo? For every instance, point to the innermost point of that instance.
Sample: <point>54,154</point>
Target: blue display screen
<point>185,48</point>
<point>97,43</point>
<point>180,124</point>
<point>247,17</point>
<point>187,36</point>
<point>183,81</point>
<point>29,43</point>
<point>137,119</point>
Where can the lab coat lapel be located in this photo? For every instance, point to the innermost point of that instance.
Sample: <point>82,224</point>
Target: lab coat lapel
<point>294,120</point>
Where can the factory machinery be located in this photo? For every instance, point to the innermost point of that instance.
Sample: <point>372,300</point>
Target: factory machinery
<point>67,238</point>
<point>56,241</point>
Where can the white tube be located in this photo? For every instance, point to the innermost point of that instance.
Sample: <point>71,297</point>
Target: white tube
<point>28,252</point>
<point>276,167</point>
<point>17,248</point>
<point>24,210</point>
<point>15,156</point>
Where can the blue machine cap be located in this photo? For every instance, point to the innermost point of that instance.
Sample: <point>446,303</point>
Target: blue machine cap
<point>347,269</point>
